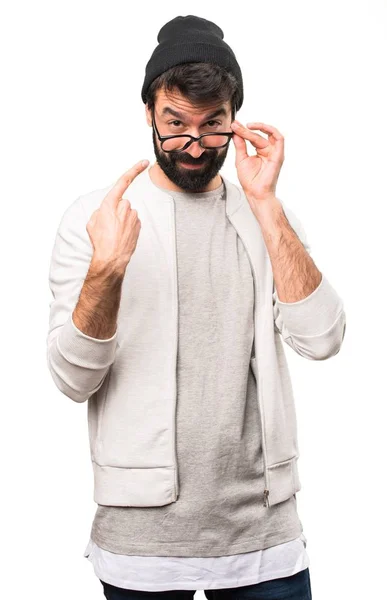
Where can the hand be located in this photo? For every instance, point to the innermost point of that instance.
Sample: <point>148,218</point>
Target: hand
<point>258,174</point>
<point>114,227</point>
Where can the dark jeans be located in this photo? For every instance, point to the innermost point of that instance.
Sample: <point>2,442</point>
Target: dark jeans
<point>294,587</point>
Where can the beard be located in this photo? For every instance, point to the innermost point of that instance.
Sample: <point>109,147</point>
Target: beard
<point>190,180</point>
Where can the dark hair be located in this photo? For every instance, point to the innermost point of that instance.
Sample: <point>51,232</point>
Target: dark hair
<point>200,82</point>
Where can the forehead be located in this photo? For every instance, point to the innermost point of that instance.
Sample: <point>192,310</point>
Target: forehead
<point>174,104</point>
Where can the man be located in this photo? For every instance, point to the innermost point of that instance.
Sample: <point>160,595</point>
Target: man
<point>172,289</point>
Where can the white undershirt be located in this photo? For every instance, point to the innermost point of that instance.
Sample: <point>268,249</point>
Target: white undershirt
<point>161,573</point>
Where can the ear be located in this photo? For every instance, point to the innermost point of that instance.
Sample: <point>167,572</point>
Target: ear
<point>148,115</point>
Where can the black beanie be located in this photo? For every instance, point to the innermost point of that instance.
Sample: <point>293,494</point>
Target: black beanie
<point>190,39</point>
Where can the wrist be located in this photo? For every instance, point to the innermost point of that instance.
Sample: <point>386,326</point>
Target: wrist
<point>267,206</point>
<point>106,267</point>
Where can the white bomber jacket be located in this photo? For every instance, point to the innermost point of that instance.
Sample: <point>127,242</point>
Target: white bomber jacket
<point>129,380</point>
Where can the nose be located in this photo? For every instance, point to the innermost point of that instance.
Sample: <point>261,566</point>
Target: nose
<point>195,150</point>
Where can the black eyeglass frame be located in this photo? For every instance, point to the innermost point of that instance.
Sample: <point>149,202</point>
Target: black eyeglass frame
<point>229,134</point>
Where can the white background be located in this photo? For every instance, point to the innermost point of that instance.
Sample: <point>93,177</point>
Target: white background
<point>72,120</point>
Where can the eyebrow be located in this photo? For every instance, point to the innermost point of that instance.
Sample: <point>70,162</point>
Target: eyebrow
<point>175,113</point>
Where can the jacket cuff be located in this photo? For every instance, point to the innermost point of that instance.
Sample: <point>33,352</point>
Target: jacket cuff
<point>85,351</point>
<point>313,315</point>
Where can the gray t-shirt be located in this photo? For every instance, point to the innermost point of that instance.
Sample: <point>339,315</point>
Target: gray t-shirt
<point>220,510</point>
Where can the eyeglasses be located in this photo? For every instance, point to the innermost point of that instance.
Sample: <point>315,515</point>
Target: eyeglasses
<point>177,143</point>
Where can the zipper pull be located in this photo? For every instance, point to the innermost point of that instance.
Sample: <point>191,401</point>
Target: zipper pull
<point>265,497</point>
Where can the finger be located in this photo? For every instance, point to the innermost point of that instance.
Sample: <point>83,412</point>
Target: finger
<point>122,207</point>
<point>257,140</point>
<point>240,149</point>
<point>113,197</point>
<point>266,128</point>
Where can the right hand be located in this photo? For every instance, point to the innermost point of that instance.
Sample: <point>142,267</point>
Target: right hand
<point>114,227</point>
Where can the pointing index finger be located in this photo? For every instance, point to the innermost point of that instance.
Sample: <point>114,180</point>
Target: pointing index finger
<point>113,197</point>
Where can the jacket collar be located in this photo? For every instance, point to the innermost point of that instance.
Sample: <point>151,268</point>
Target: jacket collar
<point>238,211</point>
<point>234,197</point>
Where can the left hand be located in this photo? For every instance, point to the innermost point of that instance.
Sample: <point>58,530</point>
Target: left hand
<point>258,174</point>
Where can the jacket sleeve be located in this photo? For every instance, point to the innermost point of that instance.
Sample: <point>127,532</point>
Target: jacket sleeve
<point>77,362</point>
<point>314,327</point>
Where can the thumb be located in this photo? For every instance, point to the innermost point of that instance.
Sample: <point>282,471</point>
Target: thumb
<point>93,217</point>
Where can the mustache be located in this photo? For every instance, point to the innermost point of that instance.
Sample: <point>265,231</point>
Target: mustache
<point>189,161</point>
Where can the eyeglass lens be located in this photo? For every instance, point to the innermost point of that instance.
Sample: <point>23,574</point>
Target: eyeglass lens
<point>208,141</point>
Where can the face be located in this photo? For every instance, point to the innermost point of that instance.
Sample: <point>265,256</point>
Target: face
<point>193,168</point>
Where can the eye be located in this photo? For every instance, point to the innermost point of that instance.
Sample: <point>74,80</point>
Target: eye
<point>176,121</point>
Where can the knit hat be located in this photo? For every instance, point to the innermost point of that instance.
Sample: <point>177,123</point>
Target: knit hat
<point>190,39</point>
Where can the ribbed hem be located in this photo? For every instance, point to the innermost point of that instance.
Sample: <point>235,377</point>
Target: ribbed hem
<point>313,315</point>
<point>283,481</point>
<point>83,350</point>
<point>134,486</point>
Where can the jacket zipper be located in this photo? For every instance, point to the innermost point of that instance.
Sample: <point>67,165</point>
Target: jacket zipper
<point>175,299</point>
<point>266,489</point>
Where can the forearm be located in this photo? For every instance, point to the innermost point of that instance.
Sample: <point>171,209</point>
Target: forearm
<point>97,308</point>
<point>81,353</point>
<point>307,310</point>
<point>294,271</point>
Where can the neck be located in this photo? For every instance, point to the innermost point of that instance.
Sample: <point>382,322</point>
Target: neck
<point>158,177</point>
